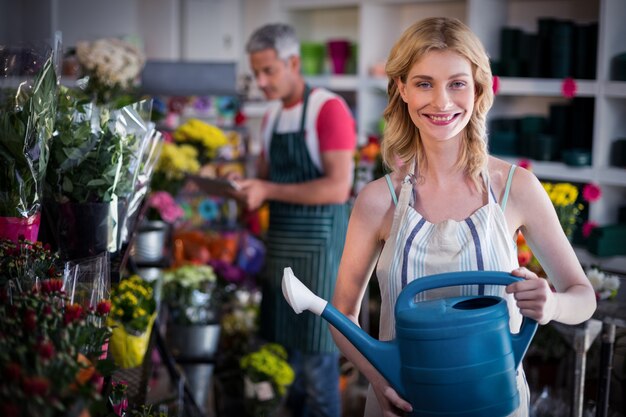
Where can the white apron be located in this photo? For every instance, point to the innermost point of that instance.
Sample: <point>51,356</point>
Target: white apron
<point>418,248</point>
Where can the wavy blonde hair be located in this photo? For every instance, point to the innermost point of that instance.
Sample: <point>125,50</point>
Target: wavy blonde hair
<point>402,143</point>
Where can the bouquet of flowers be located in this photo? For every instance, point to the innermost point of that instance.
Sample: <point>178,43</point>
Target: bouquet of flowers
<point>192,294</point>
<point>206,138</point>
<point>605,285</point>
<point>27,112</point>
<point>565,199</point>
<point>111,66</point>
<point>51,356</point>
<point>174,164</point>
<point>267,375</point>
<point>162,206</point>
<point>101,162</point>
<point>133,311</point>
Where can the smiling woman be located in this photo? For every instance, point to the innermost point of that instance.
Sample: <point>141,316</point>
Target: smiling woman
<point>447,206</point>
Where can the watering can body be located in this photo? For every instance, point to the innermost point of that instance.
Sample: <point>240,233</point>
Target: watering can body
<point>451,356</point>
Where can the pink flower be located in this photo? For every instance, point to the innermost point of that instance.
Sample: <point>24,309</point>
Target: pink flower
<point>569,87</point>
<point>524,163</point>
<point>592,192</point>
<point>588,228</point>
<point>164,203</point>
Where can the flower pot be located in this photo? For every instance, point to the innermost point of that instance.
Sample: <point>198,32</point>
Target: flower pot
<point>150,241</point>
<point>199,377</point>
<point>194,341</point>
<point>80,230</point>
<point>14,227</point>
<point>339,52</point>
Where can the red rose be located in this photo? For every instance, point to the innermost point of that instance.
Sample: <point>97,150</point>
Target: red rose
<point>52,285</point>
<point>104,307</point>
<point>46,350</point>
<point>591,192</point>
<point>10,409</point>
<point>35,385</point>
<point>30,320</point>
<point>73,312</point>
<point>13,371</point>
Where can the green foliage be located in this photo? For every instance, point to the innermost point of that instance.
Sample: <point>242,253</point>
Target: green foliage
<point>26,126</point>
<point>92,153</point>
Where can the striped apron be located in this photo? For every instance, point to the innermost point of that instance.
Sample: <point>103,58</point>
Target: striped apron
<point>308,238</point>
<point>418,248</point>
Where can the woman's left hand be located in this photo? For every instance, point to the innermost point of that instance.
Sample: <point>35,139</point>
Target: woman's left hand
<point>534,297</point>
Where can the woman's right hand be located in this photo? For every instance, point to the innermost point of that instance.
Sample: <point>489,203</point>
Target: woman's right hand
<point>391,404</point>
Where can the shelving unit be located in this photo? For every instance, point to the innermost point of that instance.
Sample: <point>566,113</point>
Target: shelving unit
<point>374,25</point>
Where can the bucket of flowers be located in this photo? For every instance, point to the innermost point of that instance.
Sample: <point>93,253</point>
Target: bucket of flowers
<point>266,377</point>
<point>27,114</point>
<point>133,311</point>
<point>51,359</point>
<point>102,155</point>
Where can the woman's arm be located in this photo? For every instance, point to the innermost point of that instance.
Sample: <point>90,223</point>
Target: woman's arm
<point>369,222</point>
<point>574,300</point>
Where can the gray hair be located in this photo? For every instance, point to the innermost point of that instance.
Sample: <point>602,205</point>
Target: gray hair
<point>278,36</point>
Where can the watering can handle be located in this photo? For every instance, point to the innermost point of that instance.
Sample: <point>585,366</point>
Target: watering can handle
<point>406,299</point>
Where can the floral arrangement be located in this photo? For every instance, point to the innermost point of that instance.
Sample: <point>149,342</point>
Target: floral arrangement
<point>51,357</point>
<point>206,138</point>
<point>133,311</point>
<point>111,64</point>
<point>26,125</point>
<point>564,198</point>
<point>192,294</point>
<point>267,375</point>
<point>604,284</point>
<point>133,304</point>
<point>164,207</point>
<point>175,163</point>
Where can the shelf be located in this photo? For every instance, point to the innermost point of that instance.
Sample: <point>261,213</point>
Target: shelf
<point>334,82</point>
<point>544,87</point>
<point>556,170</point>
<point>612,176</point>
<point>609,263</point>
<point>616,89</point>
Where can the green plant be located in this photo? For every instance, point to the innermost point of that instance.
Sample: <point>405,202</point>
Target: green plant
<point>92,155</point>
<point>26,126</point>
<point>133,304</point>
<point>51,354</point>
<point>192,294</point>
<point>268,365</point>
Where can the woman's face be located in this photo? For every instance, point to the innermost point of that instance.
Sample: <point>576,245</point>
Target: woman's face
<point>439,93</point>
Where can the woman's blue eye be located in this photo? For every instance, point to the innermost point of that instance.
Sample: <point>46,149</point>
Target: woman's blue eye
<point>458,84</point>
<point>423,85</point>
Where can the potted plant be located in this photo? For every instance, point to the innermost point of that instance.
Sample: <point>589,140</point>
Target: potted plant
<point>154,231</point>
<point>193,295</point>
<point>266,377</point>
<point>101,156</point>
<point>27,113</point>
<point>51,353</point>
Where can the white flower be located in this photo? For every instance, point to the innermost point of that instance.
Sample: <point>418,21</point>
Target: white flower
<point>611,283</point>
<point>596,277</point>
<point>112,61</point>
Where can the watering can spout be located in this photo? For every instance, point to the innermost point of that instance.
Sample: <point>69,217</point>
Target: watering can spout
<point>384,356</point>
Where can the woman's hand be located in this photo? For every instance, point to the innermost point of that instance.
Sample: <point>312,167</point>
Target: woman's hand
<point>391,404</point>
<point>534,297</point>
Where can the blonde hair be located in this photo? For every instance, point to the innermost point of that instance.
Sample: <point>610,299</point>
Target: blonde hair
<point>402,142</point>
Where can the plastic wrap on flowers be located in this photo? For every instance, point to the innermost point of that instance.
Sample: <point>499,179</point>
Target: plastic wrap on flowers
<point>128,349</point>
<point>101,161</point>
<point>88,280</point>
<point>28,85</point>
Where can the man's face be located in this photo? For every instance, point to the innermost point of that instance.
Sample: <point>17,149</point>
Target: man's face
<point>274,76</point>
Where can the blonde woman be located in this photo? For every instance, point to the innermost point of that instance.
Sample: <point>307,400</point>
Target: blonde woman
<point>449,206</point>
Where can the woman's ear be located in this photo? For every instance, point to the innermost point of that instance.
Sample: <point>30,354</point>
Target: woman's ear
<point>401,88</point>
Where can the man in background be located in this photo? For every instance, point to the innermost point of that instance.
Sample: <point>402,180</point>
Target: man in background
<point>305,173</point>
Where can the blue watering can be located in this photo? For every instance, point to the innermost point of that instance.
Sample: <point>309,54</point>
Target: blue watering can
<point>451,357</point>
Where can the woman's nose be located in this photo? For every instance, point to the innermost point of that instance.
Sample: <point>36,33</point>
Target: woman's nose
<point>442,99</point>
